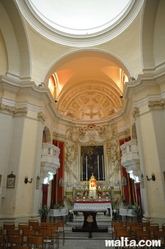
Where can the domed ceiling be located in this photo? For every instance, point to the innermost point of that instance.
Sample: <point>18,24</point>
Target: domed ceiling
<point>80,17</point>
<point>78,22</point>
<point>90,82</point>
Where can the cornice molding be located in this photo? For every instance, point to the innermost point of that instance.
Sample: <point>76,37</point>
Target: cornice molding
<point>144,81</point>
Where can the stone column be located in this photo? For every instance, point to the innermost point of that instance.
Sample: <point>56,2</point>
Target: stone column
<point>22,202</point>
<point>150,128</point>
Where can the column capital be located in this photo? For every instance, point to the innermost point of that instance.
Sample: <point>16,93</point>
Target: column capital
<point>41,117</point>
<point>156,104</point>
<point>135,112</point>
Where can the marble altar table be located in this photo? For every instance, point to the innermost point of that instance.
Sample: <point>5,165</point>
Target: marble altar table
<point>89,208</point>
<point>101,205</point>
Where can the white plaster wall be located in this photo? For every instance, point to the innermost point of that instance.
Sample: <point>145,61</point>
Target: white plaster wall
<point>3,55</point>
<point>159,35</point>
<point>151,160</point>
<point>5,139</point>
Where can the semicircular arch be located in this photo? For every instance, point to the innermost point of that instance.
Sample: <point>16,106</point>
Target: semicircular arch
<point>85,53</point>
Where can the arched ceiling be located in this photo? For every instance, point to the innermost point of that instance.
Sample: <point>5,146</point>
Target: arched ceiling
<point>90,86</point>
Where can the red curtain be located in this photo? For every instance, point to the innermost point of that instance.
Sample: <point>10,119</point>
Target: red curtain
<point>57,193</point>
<point>44,194</point>
<point>128,189</point>
<point>138,195</point>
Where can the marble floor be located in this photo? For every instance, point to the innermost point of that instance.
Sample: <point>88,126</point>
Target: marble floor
<point>80,240</point>
<point>92,243</point>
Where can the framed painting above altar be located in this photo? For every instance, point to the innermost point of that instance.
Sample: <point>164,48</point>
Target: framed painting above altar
<point>92,161</point>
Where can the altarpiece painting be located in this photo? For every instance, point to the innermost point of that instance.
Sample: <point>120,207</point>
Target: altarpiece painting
<point>92,162</point>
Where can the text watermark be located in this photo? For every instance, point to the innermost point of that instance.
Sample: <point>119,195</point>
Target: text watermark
<point>127,242</point>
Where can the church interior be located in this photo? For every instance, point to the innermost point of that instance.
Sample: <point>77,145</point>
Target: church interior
<point>82,106</point>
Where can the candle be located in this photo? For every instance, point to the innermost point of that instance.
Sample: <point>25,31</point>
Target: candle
<point>98,167</point>
<point>103,167</point>
<point>82,167</point>
<point>86,169</point>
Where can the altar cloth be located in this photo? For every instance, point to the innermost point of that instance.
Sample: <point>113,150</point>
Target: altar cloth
<point>92,205</point>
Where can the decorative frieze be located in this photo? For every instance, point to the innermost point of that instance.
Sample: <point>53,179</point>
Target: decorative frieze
<point>92,133</point>
<point>13,110</point>
<point>6,108</point>
<point>22,111</point>
<point>157,104</point>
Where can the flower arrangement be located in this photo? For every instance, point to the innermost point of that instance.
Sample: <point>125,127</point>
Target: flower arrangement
<point>57,206</point>
<point>99,192</point>
<point>115,203</point>
<point>70,202</point>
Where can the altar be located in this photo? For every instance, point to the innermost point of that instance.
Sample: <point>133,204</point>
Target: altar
<point>98,205</point>
<point>90,208</point>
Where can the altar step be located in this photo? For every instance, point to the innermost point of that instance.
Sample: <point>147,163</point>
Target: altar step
<point>101,219</point>
<point>73,229</point>
<point>84,235</point>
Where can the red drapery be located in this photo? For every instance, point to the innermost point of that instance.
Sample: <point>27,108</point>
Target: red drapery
<point>44,194</point>
<point>138,195</point>
<point>57,193</point>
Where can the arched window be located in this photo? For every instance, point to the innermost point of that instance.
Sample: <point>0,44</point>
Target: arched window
<point>52,85</point>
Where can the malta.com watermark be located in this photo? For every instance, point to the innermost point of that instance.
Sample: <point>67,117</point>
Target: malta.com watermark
<point>126,242</point>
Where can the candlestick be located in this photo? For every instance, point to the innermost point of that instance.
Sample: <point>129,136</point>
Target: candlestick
<point>82,167</point>
<point>103,167</point>
<point>86,169</point>
<point>98,168</point>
